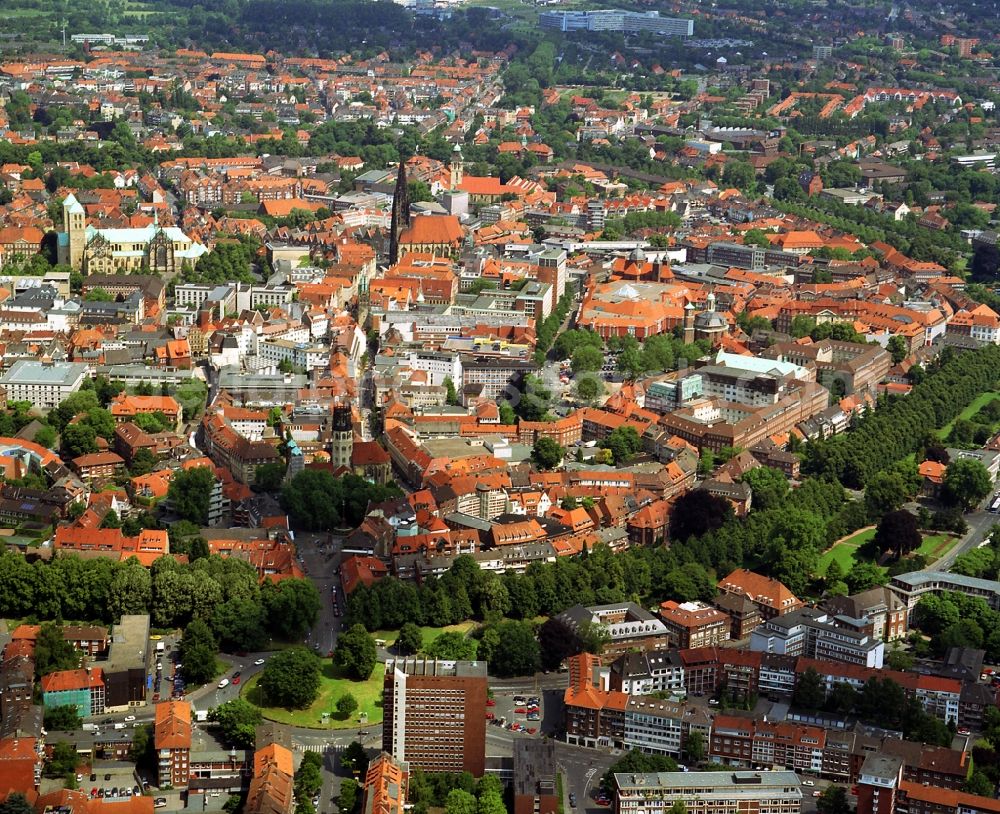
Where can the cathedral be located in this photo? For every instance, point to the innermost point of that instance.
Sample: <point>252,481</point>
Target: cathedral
<point>150,248</point>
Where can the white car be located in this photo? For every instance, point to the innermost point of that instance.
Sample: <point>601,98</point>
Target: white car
<point>259,662</point>
<point>808,783</point>
<point>129,718</point>
<point>224,683</point>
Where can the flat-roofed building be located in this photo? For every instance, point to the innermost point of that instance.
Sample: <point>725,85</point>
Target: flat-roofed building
<point>44,384</point>
<point>708,792</point>
<point>128,659</point>
<point>435,714</point>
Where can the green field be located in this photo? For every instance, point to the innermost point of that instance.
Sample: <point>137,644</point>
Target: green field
<point>843,552</point>
<point>332,686</point>
<point>981,401</point>
<point>429,633</point>
<point>933,547</point>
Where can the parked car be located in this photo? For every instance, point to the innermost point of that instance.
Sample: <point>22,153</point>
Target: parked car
<point>808,783</point>
<point>224,683</point>
<point>490,702</point>
<point>259,662</point>
<point>520,710</point>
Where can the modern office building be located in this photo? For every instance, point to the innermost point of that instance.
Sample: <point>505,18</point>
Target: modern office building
<point>817,635</point>
<point>616,20</point>
<point>435,714</point>
<point>44,384</point>
<point>708,792</point>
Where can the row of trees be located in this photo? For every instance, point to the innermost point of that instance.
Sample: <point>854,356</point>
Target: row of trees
<point>900,425</point>
<point>225,593</point>
<point>881,701</point>
<point>958,620</point>
<point>315,499</point>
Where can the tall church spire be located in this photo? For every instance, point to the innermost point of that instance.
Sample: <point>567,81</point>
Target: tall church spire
<point>400,213</point>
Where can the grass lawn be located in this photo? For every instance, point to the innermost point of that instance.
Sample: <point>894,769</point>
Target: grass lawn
<point>429,633</point>
<point>332,686</point>
<point>935,546</point>
<point>981,401</point>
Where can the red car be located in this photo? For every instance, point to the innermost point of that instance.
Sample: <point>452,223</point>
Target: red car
<point>531,730</point>
<point>520,711</point>
<point>236,680</point>
<point>490,702</point>
<point>489,716</point>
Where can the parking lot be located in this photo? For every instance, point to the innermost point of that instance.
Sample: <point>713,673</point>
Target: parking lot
<point>516,711</point>
<point>110,782</point>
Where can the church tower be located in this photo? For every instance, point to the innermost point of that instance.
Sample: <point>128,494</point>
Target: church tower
<point>457,167</point>
<point>400,213</point>
<point>75,227</point>
<point>342,437</point>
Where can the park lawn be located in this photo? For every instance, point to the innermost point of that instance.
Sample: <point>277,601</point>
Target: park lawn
<point>843,553</point>
<point>980,401</point>
<point>332,686</point>
<point>429,633</point>
<point>935,546</point>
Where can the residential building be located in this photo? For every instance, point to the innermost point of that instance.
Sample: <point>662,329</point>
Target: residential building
<point>535,788</point>
<point>272,786</point>
<point>628,626</point>
<point>778,792</point>
<point>877,612</point>
<point>646,673</point>
<point>44,384</point>
<point>385,786</point>
<point>694,624</point>
<point>770,596</point>
<point>172,742</point>
<point>83,689</point>
<point>434,713</point>
<point>878,784</point>
<point>228,448</point>
<point>595,716</point>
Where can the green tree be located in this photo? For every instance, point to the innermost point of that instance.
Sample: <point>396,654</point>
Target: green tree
<point>354,758</point>
<point>317,500</point>
<point>238,720</point>
<point>623,442</point>
<point>769,485</point>
<point>63,760</point>
<point>809,693</point>
<point>897,531</point>
<point>356,654</point>
<point>451,395</point>
<point>460,802</point>
<point>864,575</point>
<point>833,800</point>
<point>269,477</point>
<point>16,803</point>
<point>898,348</point>
<point>410,639</point>
<point>349,795</point>
<point>587,359</point>
<point>53,652</point>
<point>291,678</point>
<point>546,453</point>
<point>589,388</point>
<point>291,607</point>
<point>65,718</point>
<point>514,651</point>
<point>197,651</point>
<point>78,439</point>
<point>966,482</point>
<point>240,624</point>
<point>346,705</point>
<point>190,493</point>
<point>491,802</point>
<point>694,747</point>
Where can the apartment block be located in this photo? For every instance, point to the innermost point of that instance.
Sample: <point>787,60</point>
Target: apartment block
<point>172,741</point>
<point>709,792</point>
<point>694,624</point>
<point>435,714</point>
